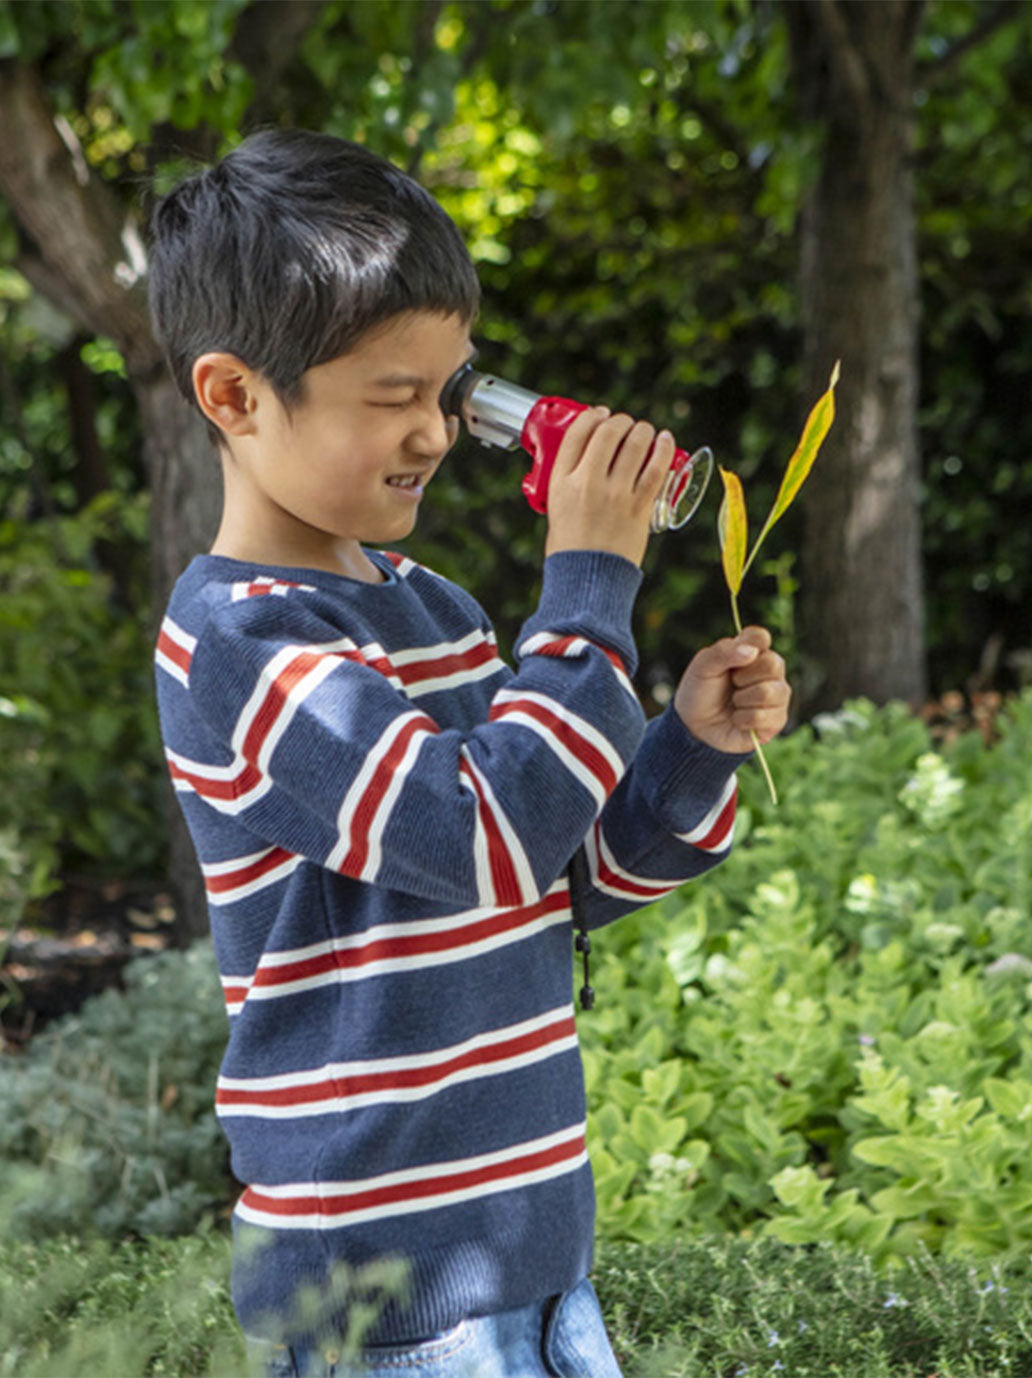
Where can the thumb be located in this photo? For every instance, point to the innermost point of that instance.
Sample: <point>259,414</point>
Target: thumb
<point>730,653</point>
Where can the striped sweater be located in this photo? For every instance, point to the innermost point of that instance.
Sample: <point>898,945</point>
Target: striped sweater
<point>385,815</point>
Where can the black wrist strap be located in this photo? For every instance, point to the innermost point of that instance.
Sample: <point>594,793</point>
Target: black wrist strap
<point>581,941</point>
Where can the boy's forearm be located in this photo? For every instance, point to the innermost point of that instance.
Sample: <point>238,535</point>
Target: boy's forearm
<point>670,820</point>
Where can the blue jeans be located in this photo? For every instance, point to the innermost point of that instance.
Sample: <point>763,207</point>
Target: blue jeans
<point>564,1337</point>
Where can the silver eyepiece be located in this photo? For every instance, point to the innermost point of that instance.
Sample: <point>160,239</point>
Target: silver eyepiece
<point>492,409</point>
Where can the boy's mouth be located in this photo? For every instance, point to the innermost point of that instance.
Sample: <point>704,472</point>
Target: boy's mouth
<point>411,483</point>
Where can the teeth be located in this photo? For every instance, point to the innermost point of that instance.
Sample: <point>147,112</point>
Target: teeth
<point>404,481</point>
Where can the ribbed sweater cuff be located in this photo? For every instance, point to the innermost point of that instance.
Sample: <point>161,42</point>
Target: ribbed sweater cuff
<point>590,593</point>
<point>686,774</point>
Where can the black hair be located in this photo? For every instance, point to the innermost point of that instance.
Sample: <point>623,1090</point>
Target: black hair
<point>290,249</point>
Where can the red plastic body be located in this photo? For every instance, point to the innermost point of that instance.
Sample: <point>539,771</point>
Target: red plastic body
<point>542,435</point>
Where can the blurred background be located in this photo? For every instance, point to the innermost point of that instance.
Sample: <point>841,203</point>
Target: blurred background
<point>686,209</point>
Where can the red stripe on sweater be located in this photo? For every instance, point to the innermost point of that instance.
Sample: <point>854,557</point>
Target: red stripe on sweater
<point>565,732</point>
<point>364,814</point>
<point>562,645</point>
<point>229,880</point>
<point>240,784</point>
<point>179,655</point>
<point>448,1183</point>
<point>342,1088</point>
<point>410,944</point>
<point>504,880</point>
<point>717,835</point>
<point>419,670</point>
<point>628,884</point>
<point>276,697</point>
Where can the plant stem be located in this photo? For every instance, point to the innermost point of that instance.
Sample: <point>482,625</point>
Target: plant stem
<point>766,769</point>
<point>755,740</point>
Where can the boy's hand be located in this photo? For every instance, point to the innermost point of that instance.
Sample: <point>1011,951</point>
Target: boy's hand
<point>732,688</point>
<point>604,484</point>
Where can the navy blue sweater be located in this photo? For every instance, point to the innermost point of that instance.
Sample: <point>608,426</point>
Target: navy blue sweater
<point>385,815</point>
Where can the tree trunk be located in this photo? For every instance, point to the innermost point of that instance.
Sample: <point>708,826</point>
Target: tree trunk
<point>82,252</point>
<point>862,602</point>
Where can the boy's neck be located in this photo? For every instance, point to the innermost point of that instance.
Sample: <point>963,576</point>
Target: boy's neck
<point>344,557</point>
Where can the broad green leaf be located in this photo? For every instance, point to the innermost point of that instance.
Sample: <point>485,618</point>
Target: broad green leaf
<point>732,527</point>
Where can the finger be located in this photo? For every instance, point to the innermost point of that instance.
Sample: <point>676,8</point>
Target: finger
<point>768,665</point>
<point>727,654</point>
<point>756,636</point>
<point>577,437</point>
<point>764,725</point>
<point>657,465</point>
<point>769,694</point>
<point>632,454</point>
<point>608,440</point>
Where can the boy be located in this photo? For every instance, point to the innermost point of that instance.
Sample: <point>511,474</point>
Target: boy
<point>384,813</point>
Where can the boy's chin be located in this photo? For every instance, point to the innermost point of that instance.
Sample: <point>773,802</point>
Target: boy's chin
<point>390,531</point>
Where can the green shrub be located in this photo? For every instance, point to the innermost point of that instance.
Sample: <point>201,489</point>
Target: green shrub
<point>97,1309</point>
<point>727,1308</point>
<point>714,1308</point>
<point>825,1040</point>
<point>79,754</point>
<point>107,1120</point>
<point>828,1037</point>
<point>93,1308</point>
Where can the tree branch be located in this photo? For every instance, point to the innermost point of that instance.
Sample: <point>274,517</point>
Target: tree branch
<point>82,241</point>
<point>838,46</point>
<point>994,18</point>
<point>265,41</point>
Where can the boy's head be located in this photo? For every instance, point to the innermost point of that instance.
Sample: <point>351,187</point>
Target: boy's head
<point>288,252</point>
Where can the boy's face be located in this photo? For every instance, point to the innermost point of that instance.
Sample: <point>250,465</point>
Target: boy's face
<point>350,461</point>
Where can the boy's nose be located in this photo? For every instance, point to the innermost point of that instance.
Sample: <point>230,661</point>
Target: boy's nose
<point>437,433</point>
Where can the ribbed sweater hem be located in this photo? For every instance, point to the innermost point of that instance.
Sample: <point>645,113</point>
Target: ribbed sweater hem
<point>684,770</point>
<point>439,1287</point>
<point>591,592</point>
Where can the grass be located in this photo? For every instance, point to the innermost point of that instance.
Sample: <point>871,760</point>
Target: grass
<point>718,1308</point>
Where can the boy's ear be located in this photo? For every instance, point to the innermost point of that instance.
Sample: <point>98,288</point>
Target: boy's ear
<point>227,392</point>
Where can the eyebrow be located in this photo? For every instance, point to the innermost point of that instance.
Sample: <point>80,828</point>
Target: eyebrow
<point>399,380</point>
<point>413,380</point>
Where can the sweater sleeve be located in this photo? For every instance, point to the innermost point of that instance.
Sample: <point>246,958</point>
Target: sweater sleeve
<point>670,819</point>
<point>322,755</point>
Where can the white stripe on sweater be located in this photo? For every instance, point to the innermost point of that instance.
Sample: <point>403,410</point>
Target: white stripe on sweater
<point>613,879</point>
<point>700,835</point>
<point>411,945</point>
<point>338,1087</point>
<point>356,851</point>
<point>334,1205</point>
<point>578,755</point>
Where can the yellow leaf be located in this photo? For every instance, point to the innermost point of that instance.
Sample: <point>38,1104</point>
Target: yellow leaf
<point>818,423</point>
<point>732,527</point>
